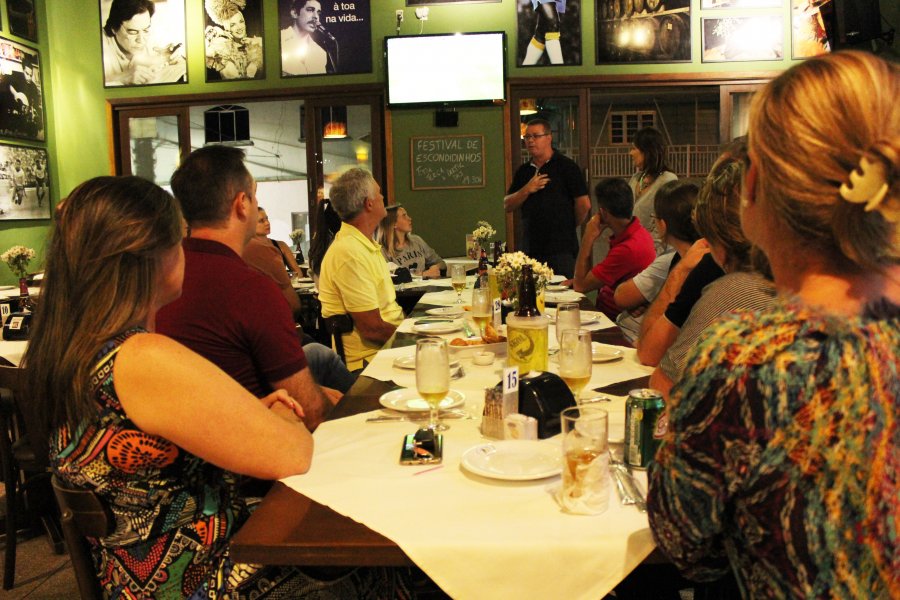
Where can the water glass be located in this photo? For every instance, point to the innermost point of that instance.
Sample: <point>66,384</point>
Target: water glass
<point>568,316</point>
<point>585,446</point>
<point>433,377</point>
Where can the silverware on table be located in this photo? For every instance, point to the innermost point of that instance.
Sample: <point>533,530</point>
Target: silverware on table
<point>626,486</point>
<point>449,414</point>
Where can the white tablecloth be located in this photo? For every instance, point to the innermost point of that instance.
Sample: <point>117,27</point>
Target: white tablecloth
<point>476,537</point>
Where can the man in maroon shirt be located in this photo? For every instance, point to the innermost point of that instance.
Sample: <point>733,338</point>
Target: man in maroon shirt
<point>228,312</point>
<point>630,247</point>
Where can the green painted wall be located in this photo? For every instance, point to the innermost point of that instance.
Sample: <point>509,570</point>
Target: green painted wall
<point>78,132</point>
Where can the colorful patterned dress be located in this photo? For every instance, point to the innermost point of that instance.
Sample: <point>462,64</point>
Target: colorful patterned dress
<point>783,455</point>
<point>174,513</point>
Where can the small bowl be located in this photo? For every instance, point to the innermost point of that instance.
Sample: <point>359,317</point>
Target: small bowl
<point>483,358</point>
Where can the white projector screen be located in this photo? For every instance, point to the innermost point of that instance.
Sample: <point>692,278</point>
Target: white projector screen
<point>434,70</point>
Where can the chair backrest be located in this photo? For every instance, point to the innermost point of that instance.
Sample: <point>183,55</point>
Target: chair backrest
<point>12,380</point>
<point>337,325</point>
<point>83,514</point>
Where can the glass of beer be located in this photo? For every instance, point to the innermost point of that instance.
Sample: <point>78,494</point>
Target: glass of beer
<point>458,280</point>
<point>585,445</point>
<point>568,316</point>
<point>575,360</point>
<point>481,308</point>
<point>433,377</point>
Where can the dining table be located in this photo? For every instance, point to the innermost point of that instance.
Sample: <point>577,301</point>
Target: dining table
<point>475,536</point>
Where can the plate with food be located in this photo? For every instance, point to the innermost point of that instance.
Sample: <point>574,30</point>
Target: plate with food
<point>409,400</point>
<point>513,460</point>
<point>491,341</point>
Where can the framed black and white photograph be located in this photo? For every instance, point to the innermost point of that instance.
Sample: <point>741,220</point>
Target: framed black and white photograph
<point>321,37</point>
<point>733,39</point>
<point>713,4</point>
<point>549,32</point>
<point>233,40</point>
<point>24,183</point>
<point>431,2</point>
<point>21,92</point>
<point>643,31</point>
<point>143,42</point>
<point>22,19</point>
<point>808,35</point>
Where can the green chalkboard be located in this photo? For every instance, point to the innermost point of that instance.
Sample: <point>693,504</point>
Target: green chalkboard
<point>447,161</point>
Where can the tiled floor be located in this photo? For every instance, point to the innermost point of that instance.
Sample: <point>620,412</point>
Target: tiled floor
<point>41,574</point>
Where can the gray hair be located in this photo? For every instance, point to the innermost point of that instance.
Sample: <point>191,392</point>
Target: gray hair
<point>350,191</point>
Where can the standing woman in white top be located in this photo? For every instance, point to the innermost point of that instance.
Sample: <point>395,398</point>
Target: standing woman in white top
<point>648,151</point>
<point>301,52</point>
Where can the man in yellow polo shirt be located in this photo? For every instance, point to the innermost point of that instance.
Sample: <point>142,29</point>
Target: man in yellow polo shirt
<point>354,277</point>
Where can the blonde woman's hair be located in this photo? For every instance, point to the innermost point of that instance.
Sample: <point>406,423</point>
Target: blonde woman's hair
<point>389,232</point>
<point>101,271</point>
<point>809,128</point>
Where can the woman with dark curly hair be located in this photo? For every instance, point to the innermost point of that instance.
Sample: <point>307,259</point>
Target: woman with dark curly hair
<point>648,151</point>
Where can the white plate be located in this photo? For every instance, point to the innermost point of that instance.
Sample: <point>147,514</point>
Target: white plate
<point>587,316</point>
<point>408,400</point>
<point>556,288</point>
<point>446,311</point>
<point>439,327</point>
<point>602,353</point>
<point>409,362</point>
<point>304,285</point>
<point>304,280</point>
<point>7,287</point>
<point>558,297</point>
<point>466,351</point>
<point>513,460</point>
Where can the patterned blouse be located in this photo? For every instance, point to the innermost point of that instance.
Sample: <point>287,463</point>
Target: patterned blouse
<point>174,512</point>
<point>783,455</point>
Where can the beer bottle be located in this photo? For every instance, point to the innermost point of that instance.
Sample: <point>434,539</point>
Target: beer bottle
<point>527,294</point>
<point>482,264</point>
<point>526,330</point>
<point>497,252</point>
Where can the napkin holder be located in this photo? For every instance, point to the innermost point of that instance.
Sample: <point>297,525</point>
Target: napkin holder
<point>401,275</point>
<point>543,397</point>
<point>17,326</point>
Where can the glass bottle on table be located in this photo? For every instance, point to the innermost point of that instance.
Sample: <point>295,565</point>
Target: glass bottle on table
<point>498,251</point>
<point>433,377</point>
<point>575,359</point>
<point>526,330</point>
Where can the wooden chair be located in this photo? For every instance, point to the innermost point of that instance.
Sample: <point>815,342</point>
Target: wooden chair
<point>84,515</point>
<point>336,326</point>
<point>24,469</point>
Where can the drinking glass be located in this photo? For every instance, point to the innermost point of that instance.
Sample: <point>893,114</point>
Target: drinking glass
<point>433,377</point>
<point>458,280</point>
<point>585,445</point>
<point>575,360</point>
<point>481,308</point>
<point>568,316</point>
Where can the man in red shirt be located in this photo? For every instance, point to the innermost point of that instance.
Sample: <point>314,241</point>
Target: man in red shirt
<point>630,247</point>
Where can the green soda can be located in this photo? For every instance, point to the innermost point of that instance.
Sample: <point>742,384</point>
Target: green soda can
<point>646,424</point>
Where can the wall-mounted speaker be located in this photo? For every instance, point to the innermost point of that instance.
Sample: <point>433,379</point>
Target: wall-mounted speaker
<point>446,118</point>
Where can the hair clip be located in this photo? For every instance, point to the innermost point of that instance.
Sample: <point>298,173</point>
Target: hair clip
<point>868,183</point>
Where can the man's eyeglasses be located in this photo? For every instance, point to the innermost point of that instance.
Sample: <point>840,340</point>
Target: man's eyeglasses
<point>532,136</point>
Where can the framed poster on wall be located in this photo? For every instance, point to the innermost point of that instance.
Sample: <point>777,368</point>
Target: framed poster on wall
<point>21,92</point>
<point>232,40</point>
<point>324,37</point>
<point>143,42</point>
<point>743,38</point>
<point>549,32</point>
<point>24,183</point>
<point>22,19</point>
<point>643,31</point>
<point>808,35</point>
<point>429,2</point>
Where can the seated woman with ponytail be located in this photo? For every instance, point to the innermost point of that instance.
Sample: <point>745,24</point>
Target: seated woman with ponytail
<point>783,446</point>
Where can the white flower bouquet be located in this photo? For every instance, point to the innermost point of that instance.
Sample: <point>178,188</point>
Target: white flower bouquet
<point>297,236</point>
<point>509,271</point>
<point>17,258</point>
<point>483,233</point>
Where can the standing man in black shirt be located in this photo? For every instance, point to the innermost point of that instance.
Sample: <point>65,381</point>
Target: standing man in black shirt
<point>553,196</point>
